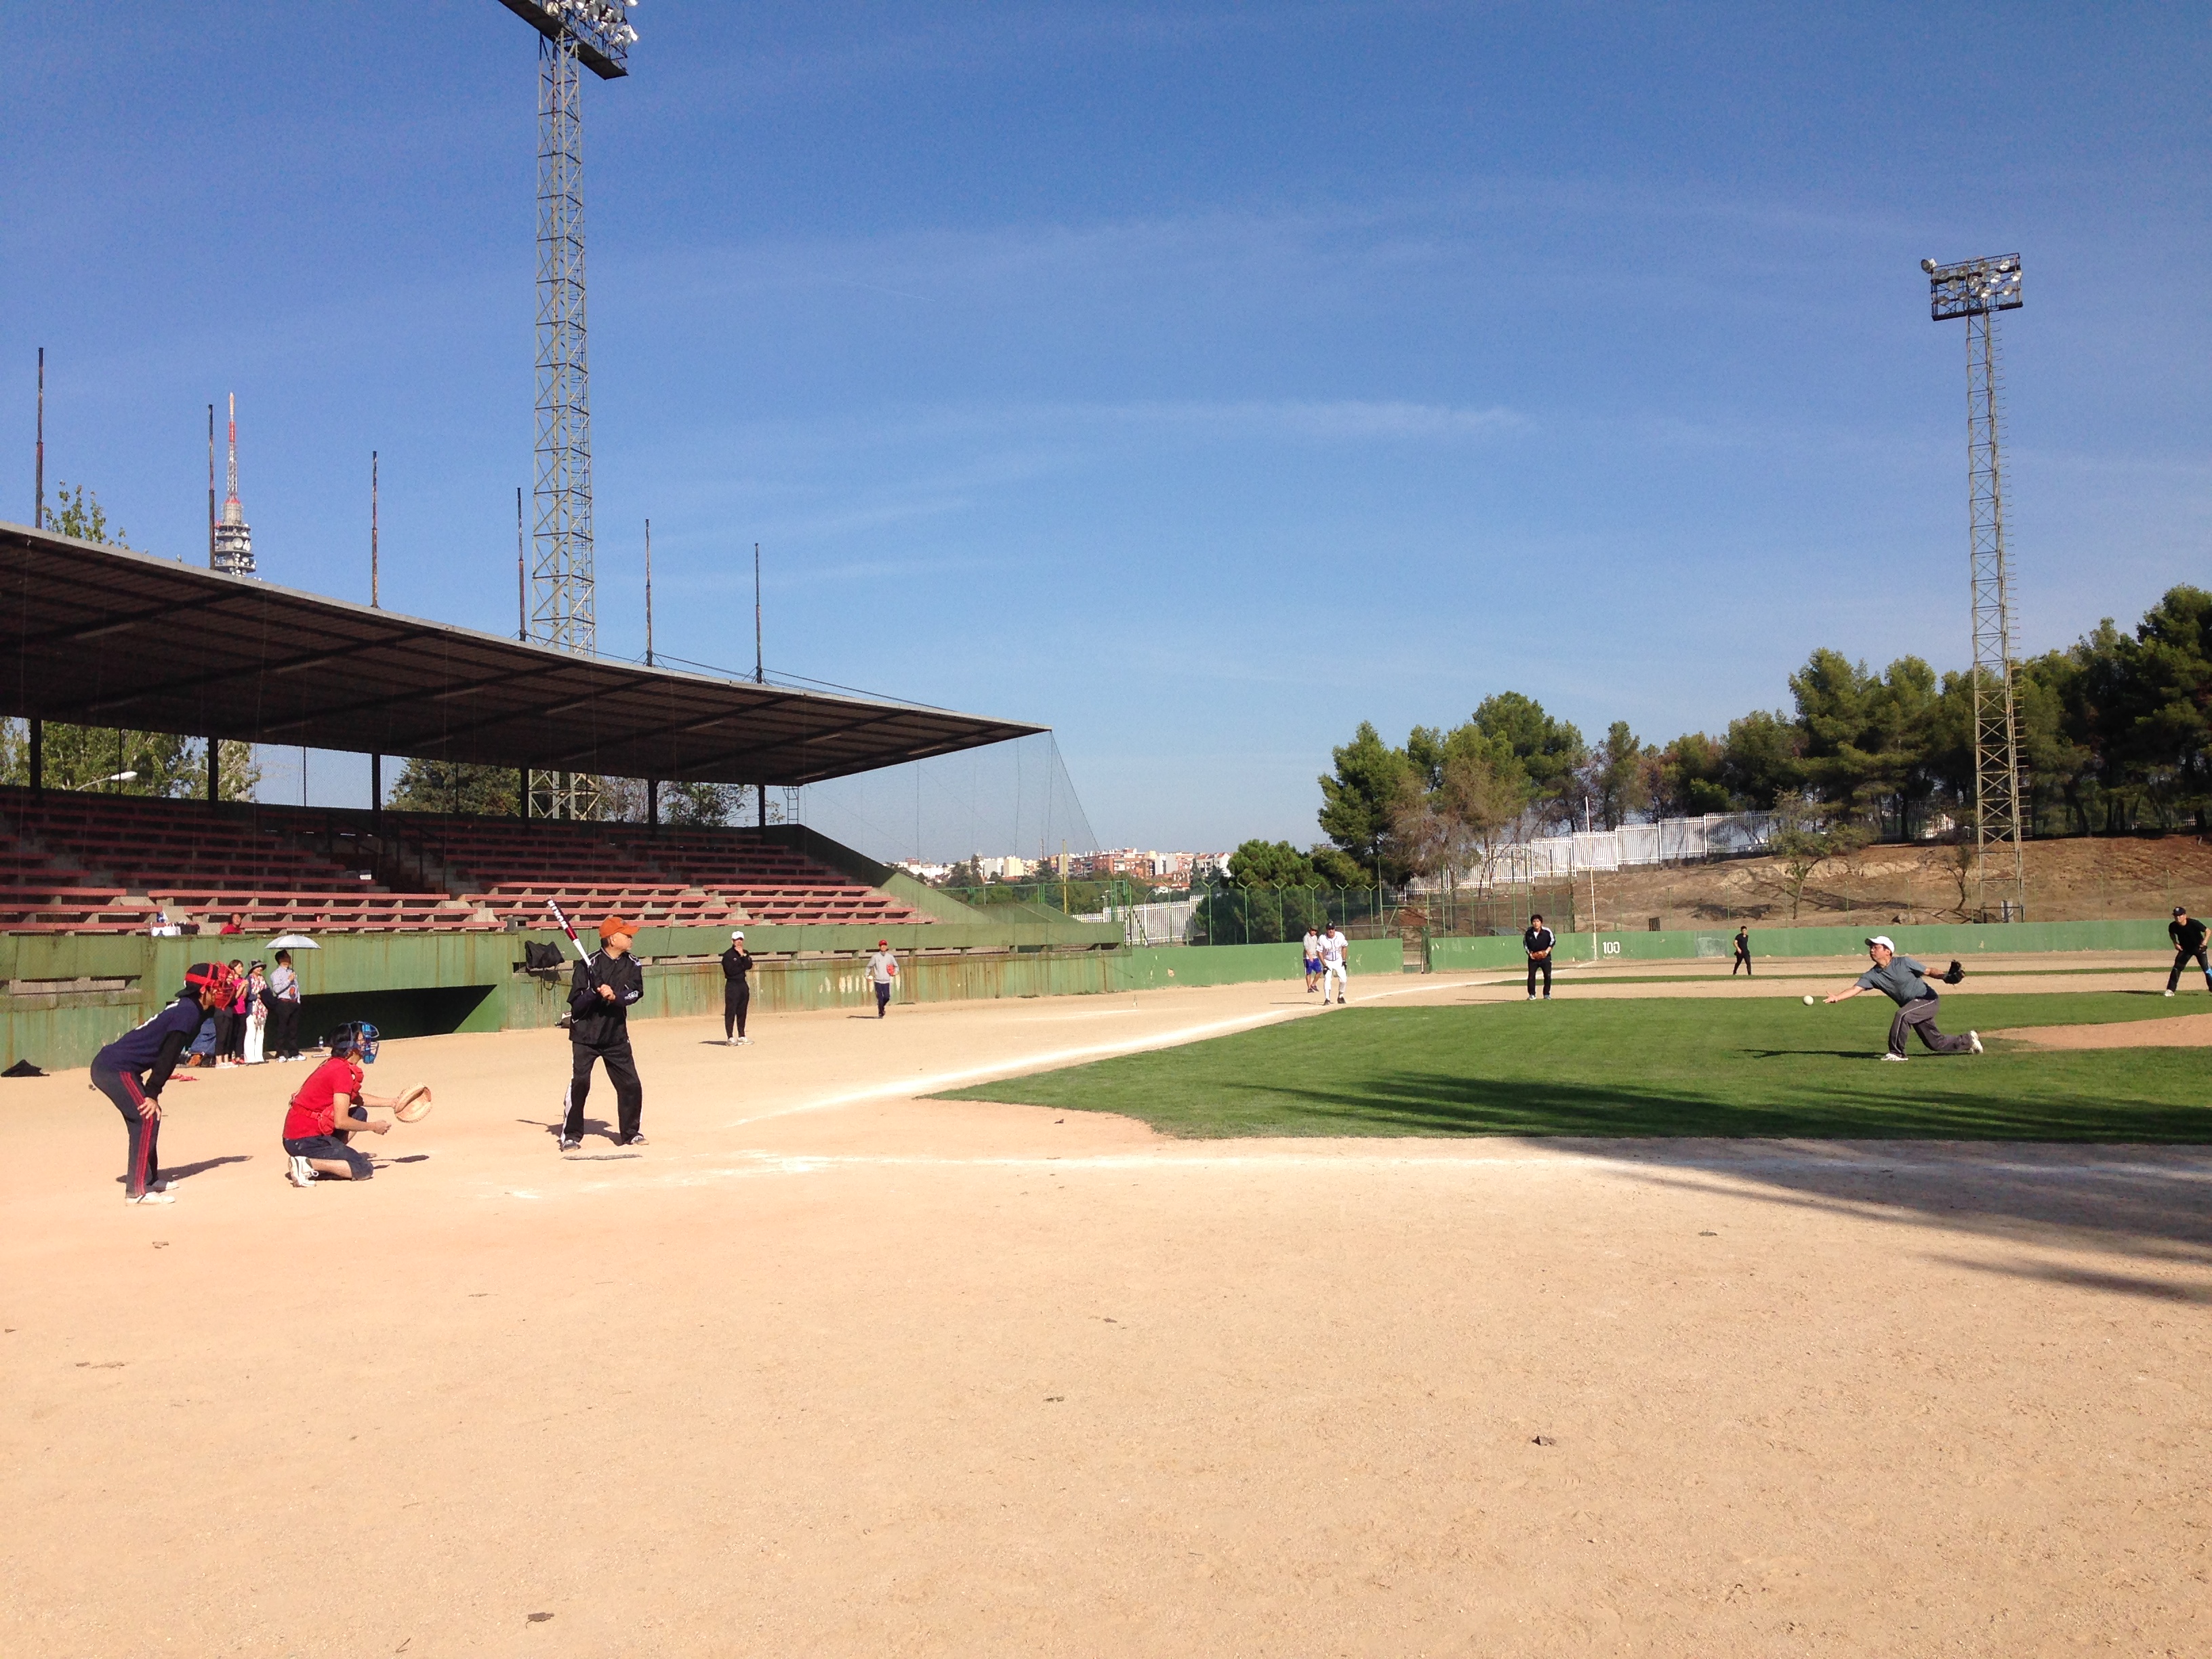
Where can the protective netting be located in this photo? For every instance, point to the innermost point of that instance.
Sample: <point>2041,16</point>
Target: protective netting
<point>1011,799</point>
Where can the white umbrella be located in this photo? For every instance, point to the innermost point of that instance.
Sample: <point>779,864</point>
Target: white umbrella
<point>293,942</point>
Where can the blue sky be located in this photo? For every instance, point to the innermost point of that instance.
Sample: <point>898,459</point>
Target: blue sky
<point>1198,380</point>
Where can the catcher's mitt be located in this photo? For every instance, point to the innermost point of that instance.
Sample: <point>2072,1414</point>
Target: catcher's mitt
<point>1954,973</point>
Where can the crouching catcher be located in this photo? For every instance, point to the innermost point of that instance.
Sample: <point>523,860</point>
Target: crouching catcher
<point>331,1107</point>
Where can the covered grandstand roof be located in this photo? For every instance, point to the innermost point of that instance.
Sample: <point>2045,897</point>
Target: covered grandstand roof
<point>100,635</point>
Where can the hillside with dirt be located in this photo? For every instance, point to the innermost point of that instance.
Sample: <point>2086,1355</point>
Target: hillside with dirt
<point>2094,878</point>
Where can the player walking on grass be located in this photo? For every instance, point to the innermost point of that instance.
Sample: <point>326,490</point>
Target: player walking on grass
<point>1742,953</point>
<point>737,992</point>
<point>1313,959</point>
<point>2188,936</point>
<point>605,984</point>
<point>134,1069</point>
<point>332,1096</point>
<point>1904,982</point>
<point>1335,966</point>
<point>882,972</point>
<point>1537,941</point>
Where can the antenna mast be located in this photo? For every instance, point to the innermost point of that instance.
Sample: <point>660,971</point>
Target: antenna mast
<point>232,549</point>
<point>39,500</point>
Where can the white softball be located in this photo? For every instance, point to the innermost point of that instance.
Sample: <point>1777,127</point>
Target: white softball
<point>1809,1002</point>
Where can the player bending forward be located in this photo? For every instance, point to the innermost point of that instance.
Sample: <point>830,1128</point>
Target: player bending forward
<point>1335,969</point>
<point>133,1070</point>
<point>1904,982</point>
<point>2188,936</point>
<point>332,1096</point>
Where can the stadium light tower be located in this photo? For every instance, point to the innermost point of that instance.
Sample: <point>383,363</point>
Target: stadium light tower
<point>1977,290</point>
<point>596,34</point>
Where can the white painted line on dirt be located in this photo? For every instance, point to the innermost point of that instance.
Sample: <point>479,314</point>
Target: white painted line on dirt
<point>752,1165</point>
<point>1016,1065</point>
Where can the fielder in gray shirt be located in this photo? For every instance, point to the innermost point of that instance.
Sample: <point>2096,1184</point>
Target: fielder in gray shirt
<point>1904,982</point>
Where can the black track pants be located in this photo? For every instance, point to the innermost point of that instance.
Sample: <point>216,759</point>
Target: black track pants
<point>1743,961</point>
<point>622,1072</point>
<point>2181,961</point>
<point>736,998</point>
<point>1545,968</point>
<point>144,1165</point>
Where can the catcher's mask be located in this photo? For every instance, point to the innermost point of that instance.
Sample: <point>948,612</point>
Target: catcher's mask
<point>211,976</point>
<point>357,1038</point>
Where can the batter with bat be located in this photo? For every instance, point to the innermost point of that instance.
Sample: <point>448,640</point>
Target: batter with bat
<point>606,985</point>
<point>1904,982</point>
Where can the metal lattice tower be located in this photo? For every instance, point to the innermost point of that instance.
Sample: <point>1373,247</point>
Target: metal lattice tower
<point>230,548</point>
<point>1977,290</point>
<point>575,35</point>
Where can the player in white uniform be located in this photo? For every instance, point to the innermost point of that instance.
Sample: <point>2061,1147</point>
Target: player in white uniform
<point>1333,945</point>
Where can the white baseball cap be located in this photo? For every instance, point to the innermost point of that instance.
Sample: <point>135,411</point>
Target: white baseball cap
<point>740,933</point>
<point>1884,940</point>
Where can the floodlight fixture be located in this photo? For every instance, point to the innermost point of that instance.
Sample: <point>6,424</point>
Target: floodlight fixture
<point>1972,287</point>
<point>599,29</point>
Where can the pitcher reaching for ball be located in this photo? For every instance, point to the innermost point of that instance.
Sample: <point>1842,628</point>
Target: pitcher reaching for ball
<point>1904,982</point>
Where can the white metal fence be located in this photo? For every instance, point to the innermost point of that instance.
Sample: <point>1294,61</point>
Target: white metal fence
<point>1666,841</point>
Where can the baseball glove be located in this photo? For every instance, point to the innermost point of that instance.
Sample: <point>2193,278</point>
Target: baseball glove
<point>1954,973</point>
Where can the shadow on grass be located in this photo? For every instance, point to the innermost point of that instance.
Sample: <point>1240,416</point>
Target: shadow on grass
<point>2075,1176</point>
<point>1419,1102</point>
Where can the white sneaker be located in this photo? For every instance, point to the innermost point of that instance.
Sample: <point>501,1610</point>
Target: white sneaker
<point>150,1196</point>
<point>302,1174</point>
<point>1974,1041</point>
<point>2169,994</point>
<point>745,1043</point>
<point>1900,1059</point>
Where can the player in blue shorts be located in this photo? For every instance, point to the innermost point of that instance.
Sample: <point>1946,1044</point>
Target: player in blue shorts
<point>1312,960</point>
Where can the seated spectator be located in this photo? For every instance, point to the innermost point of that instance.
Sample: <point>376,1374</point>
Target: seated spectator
<point>230,925</point>
<point>330,1097</point>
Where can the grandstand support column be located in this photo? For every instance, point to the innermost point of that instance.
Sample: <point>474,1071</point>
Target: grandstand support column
<point>215,770</point>
<point>38,759</point>
<point>653,802</point>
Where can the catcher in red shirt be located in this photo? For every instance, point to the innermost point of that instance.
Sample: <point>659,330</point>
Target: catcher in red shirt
<point>332,1095</point>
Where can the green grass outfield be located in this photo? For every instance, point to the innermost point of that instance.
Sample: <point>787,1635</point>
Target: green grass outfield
<point>1814,968</point>
<point>1651,1066</point>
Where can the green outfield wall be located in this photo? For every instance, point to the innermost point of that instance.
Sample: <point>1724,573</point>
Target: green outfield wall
<point>67,994</point>
<point>1963,940</point>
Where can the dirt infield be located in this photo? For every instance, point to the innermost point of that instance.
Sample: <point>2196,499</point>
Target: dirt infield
<point>2183,1031</point>
<point>831,1370</point>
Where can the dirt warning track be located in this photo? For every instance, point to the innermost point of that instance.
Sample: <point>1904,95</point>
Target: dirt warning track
<point>829,1369</point>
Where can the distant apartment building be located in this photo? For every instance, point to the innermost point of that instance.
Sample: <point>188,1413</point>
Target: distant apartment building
<point>1153,868</point>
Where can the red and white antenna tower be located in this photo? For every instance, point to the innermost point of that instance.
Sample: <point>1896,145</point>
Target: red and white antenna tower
<point>232,551</point>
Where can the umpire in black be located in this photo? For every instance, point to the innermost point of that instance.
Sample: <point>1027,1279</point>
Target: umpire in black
<point>606,983</point>
<point>2188,936</point>
<point>736,989</point>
